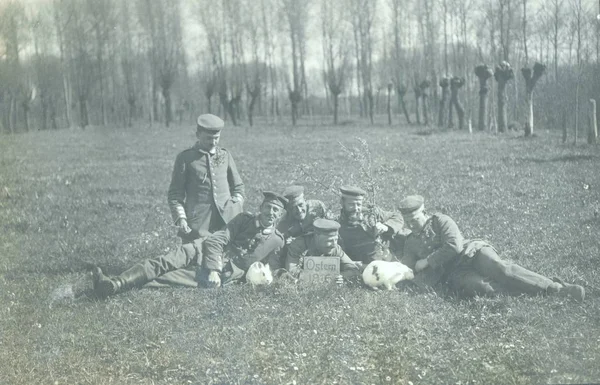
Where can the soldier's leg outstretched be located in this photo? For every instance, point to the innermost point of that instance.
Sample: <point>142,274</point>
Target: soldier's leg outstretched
<point>518,280</point>
<point>146,271</point>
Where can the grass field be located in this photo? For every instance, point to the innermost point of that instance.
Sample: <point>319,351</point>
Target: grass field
<point>73,198</point>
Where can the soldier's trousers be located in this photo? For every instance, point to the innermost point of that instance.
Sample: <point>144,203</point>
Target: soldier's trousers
<point>176,268</point>
<point>487,274</point>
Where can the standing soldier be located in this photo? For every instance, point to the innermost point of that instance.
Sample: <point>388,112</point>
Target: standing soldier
<point>437,252</point>
<point>367,232</point>
<point>246,239</point>
<point>300,213</point>
<point>206,190</point>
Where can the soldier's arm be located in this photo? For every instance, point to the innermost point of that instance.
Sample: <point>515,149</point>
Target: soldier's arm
<point>409,254</point>
<point>348,268</point>
<point>266,252</point>
<point>176,193</point>
<point>296,250</point>
<point>452,241</point>
<point>236,185</point>
<point>393,221</point>
<point>215,244</point>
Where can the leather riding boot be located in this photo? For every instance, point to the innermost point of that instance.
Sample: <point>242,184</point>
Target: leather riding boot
<point>105,286</point>
<point>577,292</point>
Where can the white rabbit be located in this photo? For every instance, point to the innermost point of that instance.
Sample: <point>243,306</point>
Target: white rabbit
<point>386,274</point>
<point>259,274</point>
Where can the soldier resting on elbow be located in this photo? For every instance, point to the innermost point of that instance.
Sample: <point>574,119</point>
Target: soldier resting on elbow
<point>436,251</point>
<point>226,254</point>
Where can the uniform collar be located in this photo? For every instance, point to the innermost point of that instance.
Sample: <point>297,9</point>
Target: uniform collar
<point>263,230</point>
<point>212,152</point>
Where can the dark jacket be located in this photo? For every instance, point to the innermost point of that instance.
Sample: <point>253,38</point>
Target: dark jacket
<point>201,186</point>
<point>243,242</point>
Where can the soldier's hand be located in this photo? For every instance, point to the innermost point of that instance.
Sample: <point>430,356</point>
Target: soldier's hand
<point>381,228</point>
<point>421,264</point>
<point>214,280</point>
<point>236,198</point>
<point>183,226</point>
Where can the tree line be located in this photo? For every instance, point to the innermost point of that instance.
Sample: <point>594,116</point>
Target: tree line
<point>66,63</point>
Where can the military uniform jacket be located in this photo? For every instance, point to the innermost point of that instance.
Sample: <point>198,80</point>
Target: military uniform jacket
<point>441,242</point>
<point>243,242</point>
<point>202,184</point>
<point>292,228</point>
<point>305,246</point>
<point>359,240</point>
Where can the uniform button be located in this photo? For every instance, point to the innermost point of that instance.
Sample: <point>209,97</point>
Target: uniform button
<point>213,174</point>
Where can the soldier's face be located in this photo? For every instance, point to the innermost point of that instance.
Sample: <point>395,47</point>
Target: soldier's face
<point>298,209</point>
<point>325,242</point>
<point>352,207</point>
<point>269,213</point>
<point>415,221</point>
<point>208,140</point>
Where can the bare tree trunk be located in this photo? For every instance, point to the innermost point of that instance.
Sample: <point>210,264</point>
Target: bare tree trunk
<point>389,103</point>
<point>444,83</point>
<point>166,91</point>
<point>564,127</point>
<point>401,92</point>
<point>502,74</point>
<point>456,83</point>
<point>593,132</point>
<point>425,85</point>
<point>336,102</point>
<point>417,90</point>
<point>530,81</point>
<point>83,112</point>
<point>483,72</point>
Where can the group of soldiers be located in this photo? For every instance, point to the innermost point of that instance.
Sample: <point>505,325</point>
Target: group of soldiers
<point>220,241</point>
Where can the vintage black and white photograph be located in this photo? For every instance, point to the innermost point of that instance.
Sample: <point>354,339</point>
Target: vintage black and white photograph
<point>290,192</point>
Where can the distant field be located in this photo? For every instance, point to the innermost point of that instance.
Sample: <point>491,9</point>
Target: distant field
<point>73,198</point>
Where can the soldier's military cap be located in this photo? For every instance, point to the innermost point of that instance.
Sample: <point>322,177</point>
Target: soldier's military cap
<point>273,197</point>
<point>293,192</point>
<point>210,122</point>
<point>411,204</point>
<point>322,225</point>
<point>352,192</point>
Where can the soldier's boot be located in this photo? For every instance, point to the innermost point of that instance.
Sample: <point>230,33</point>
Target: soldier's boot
<point>105,286</point>
<point>577,292</point>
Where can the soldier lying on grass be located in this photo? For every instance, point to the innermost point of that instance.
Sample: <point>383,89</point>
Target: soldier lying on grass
<point>368,233</point>
<point>323,242</point>
<point>226,254</point>
<point>437,252</point>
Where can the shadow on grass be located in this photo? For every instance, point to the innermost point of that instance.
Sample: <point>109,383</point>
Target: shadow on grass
<point>564,158</point>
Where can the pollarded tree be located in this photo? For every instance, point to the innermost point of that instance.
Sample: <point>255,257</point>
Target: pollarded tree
<point>445,84</point>
<point>425,86</point>
<point>418,93</point>
<point>162,21</point>
<point>336,50</point>
<point>530,81</point>
<point>456,84</point>
<point>12,31</point>
<point>483,72</point>
<point>503,74</point>
<point>363,19</point>
<point>296,19</point>
<point>401,90</point>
